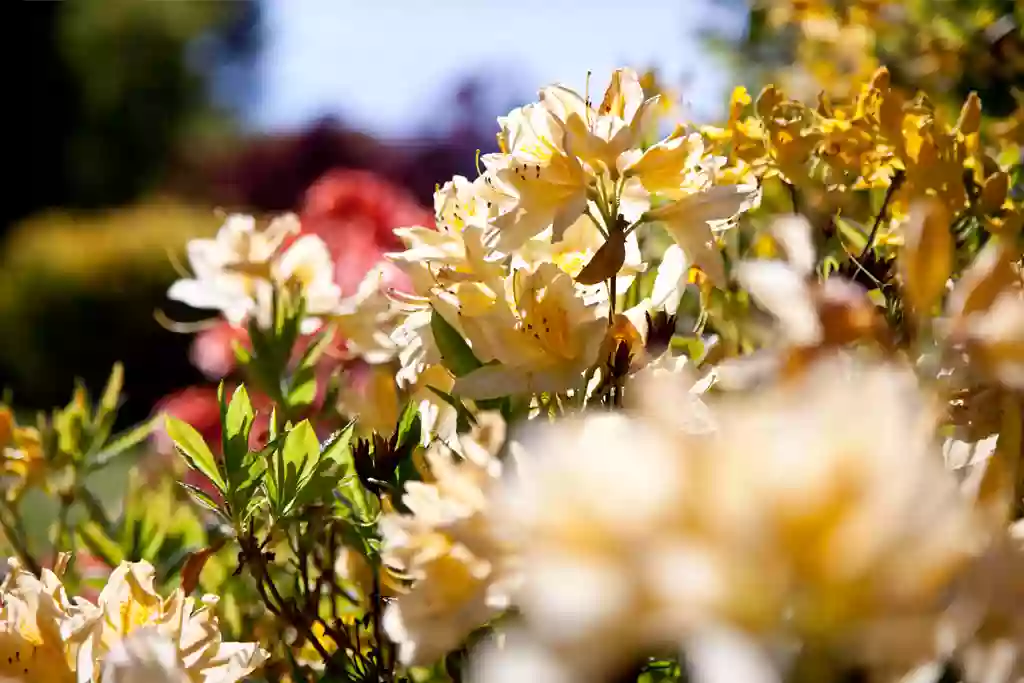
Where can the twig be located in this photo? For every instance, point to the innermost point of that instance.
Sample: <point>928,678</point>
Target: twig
<point>897,180</point>
<point>15,537</point>
<point>793,196</point>
<point>383,667</point>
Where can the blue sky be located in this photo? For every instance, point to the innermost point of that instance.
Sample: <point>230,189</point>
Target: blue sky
<point>384,65</point>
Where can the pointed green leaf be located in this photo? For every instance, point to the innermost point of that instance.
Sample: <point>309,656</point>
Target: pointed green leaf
<point>195,450</point>
<point>237,423</point>
<point>301,452</point>
<point>204,499</point>
<point>316,348</point>
<point>303,388</point>
<point>337,446</point>
<point>242,354</point>
<point>122,444</point>
<point>408,429</point>
<point>99,544</point>
<point>465,419</point>
<point>112,392</point>
<point>455,352</point>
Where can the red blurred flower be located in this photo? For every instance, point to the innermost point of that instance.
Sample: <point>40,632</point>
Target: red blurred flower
<point>356,213</point>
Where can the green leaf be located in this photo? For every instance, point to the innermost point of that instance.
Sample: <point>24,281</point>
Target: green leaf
<point>242,354</point>
<point>316,348</point>
<point>238,416</point>
<point>293,462</point>
<point>336,447</point>
<point>112,392</point>
<point>301,450</point>
<point>303,388</point>
<point>408,429</point>
<point>204,500</point>
<point>99,544</point>
<point>195,450</point>
<point>465,419</point>
<point>455,352</point>
<point>122,444</point>
<point>334,458</point>
<point>853,235</point>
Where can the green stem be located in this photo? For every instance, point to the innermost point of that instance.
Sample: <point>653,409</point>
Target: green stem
<point>16,538</point>
<point>897,180</point>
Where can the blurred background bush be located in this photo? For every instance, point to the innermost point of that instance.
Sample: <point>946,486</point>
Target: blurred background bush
<point>136,120</point>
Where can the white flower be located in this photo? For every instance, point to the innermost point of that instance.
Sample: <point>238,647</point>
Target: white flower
<point>144,656</point>
<point>306,267</point>
<point>367,320</point>
<point>460,579</point>
<point>130,605</point>
<point>237,271</point>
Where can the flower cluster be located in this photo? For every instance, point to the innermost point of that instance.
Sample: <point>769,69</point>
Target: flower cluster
<point>617,417</point>
<point>130,634</point>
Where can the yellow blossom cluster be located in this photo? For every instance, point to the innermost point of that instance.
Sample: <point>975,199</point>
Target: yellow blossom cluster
<point>23,463</point>
<point>656,416</point>
<point>130,634</point>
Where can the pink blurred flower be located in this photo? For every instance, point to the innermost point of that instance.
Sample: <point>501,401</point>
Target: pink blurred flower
<point>356,213</point>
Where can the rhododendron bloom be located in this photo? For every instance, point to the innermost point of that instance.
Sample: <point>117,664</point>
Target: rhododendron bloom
<point>237,271</point>
<point>173,635</point>
<point>459,572</point>
<point>538,328</point>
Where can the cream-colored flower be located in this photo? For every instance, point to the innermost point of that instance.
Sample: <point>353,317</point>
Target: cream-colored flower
<point>557,151</point>
<point>130,606</point>
<point>231,270</point>
<point>376,400</point>
<point>600,496</point>
<point>306,268</point>
<point>144,656</point>
<point>833,487</point>
<point>818,510</point>
<point>671,280</point>
<point>546,183</point>
<point>574,251</point>
<point>455,251</point>
<point>458,570</point>
<point>34,622</point>
<point>538,329</point>
<point>367,319</point>
<point>237,271</point>
<point>678,170</point>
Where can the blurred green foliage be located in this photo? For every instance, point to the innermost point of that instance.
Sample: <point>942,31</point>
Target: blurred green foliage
<point>78,292</point>
<point>117,90</point>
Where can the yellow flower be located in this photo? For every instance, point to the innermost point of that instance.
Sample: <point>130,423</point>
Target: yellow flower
<point>133,623</point>
<point>23,462</point>
<point>538,329</point>
<point>458,571</point>
<point>34,616</point>
<point>555,152</point>
<point>574,251</point>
